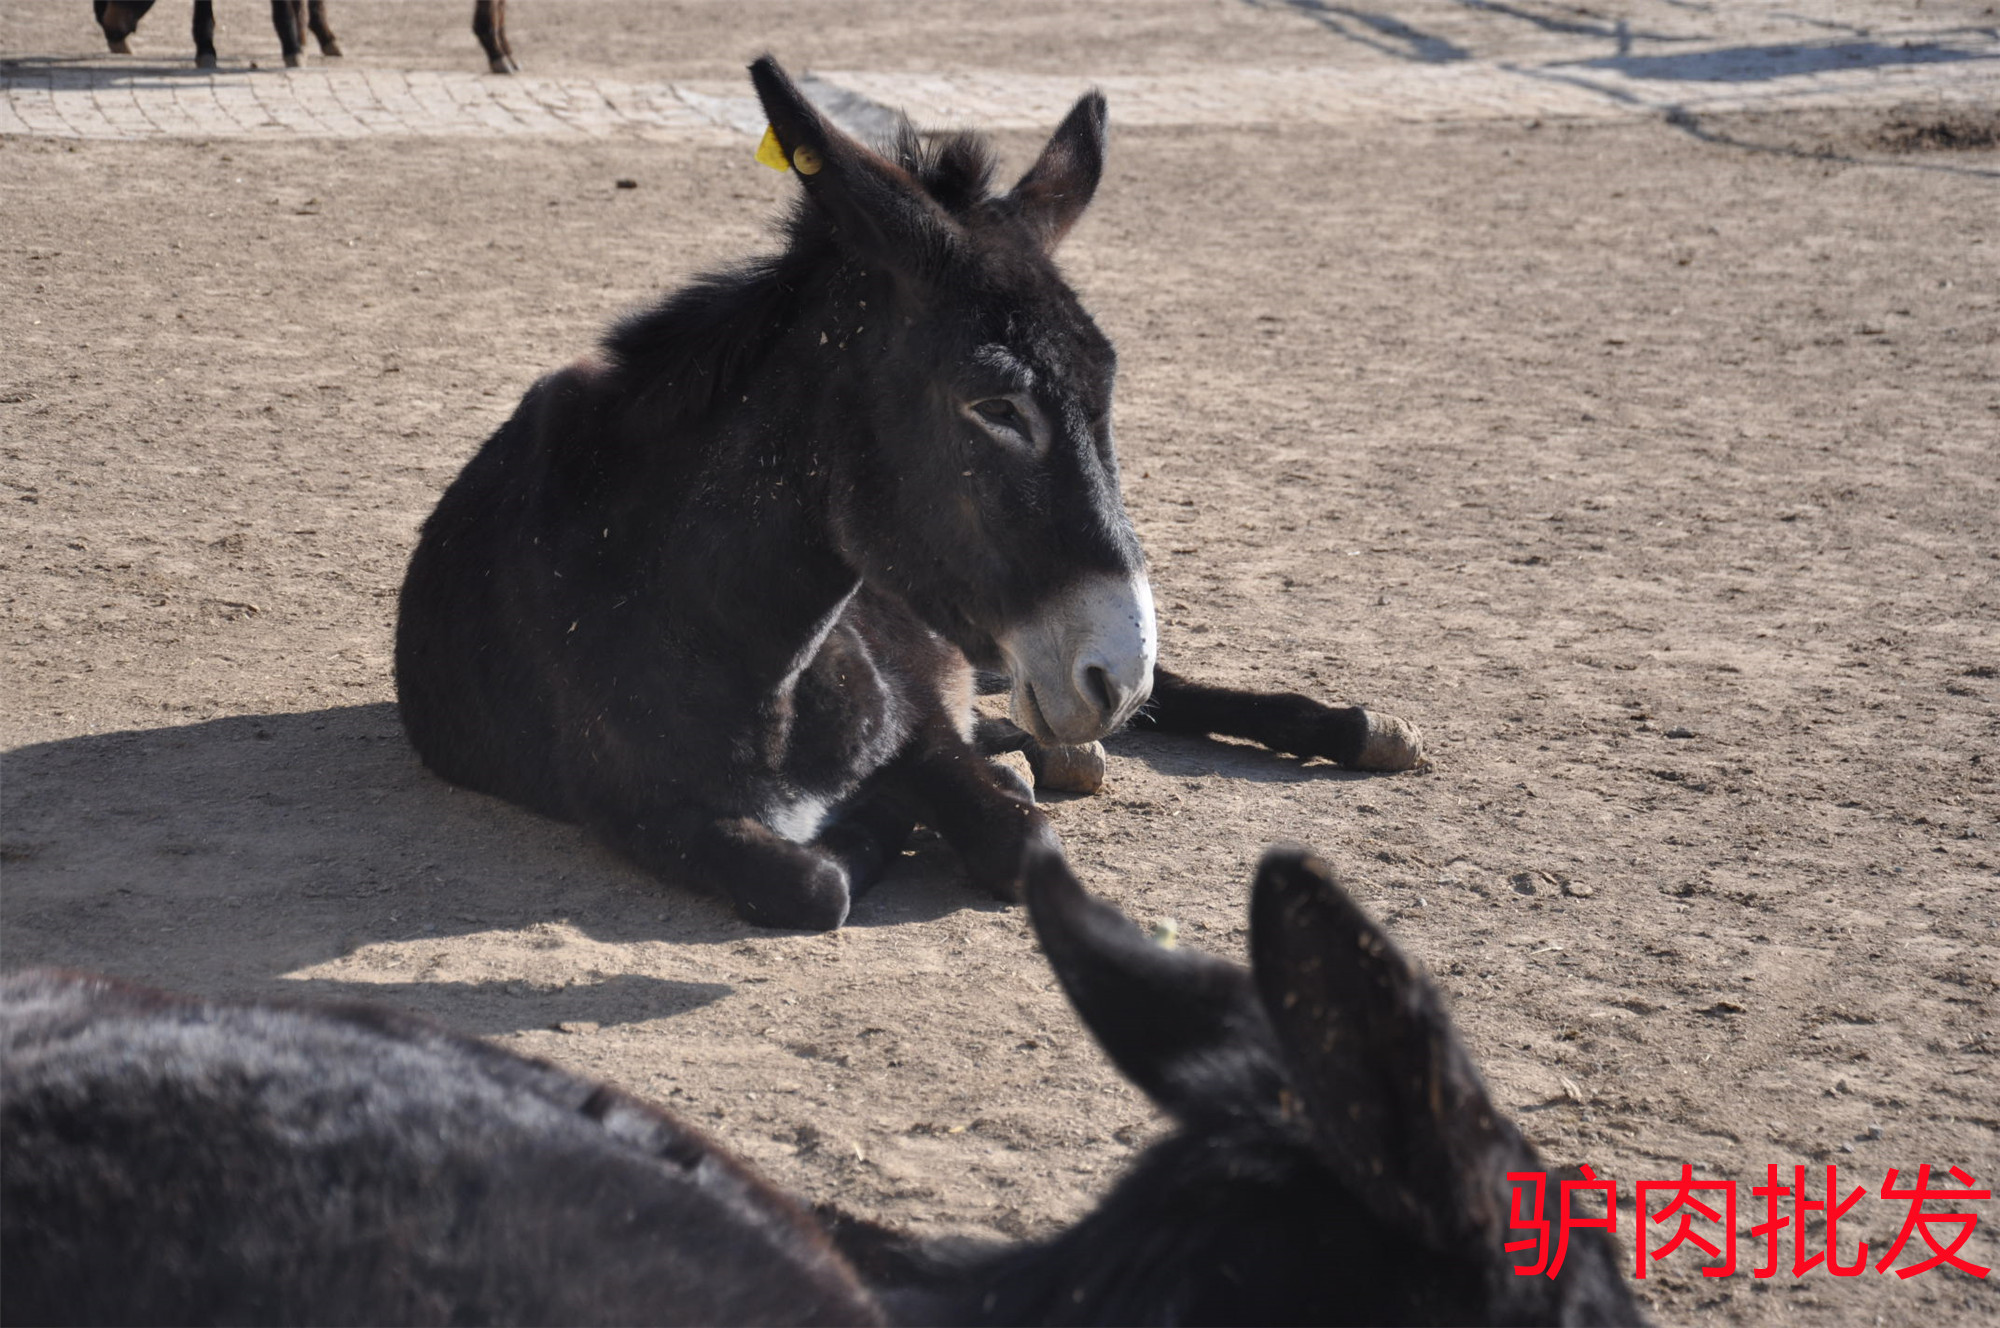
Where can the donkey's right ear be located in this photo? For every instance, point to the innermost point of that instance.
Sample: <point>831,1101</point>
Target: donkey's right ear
<point>1182,1025</point>
<point>1396,1107</point>
<point>878,209</point>
<point>1061,183</point>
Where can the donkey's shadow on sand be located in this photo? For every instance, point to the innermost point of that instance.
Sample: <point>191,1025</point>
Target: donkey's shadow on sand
<point>284,841</point>
<point>224,855</point>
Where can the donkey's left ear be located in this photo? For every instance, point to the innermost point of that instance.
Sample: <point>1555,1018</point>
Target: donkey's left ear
<point>1182,1025</point>
<point>1396,1108</point>
<point>878,207</point>
<point>1058,187</point>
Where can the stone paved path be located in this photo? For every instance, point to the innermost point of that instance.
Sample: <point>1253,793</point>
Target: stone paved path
<point>107,99</point>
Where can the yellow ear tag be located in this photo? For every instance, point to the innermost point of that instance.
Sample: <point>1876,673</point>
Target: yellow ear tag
<point>771,153</point>
<point>806,161</point>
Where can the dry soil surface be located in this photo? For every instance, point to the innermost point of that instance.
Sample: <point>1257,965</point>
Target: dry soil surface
<point>1654,473</point>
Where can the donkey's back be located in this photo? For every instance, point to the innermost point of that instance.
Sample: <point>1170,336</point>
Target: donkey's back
<point>167,1160</point>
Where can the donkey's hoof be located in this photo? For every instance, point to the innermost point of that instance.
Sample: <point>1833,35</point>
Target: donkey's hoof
<point>204,62</point>
<point>120,46</point>
<point>1392,744</point>
<point>817,900</point>
<point>1068,769</point>
<point>1016,773</point>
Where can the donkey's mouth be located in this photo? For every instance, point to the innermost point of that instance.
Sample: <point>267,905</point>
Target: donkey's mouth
<point>1083,663</point>
<point>1028,714</point>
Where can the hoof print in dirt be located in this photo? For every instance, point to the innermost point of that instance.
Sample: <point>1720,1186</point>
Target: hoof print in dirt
<point>1078,769</point>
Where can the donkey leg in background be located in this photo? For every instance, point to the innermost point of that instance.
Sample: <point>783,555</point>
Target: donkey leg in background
<point>1283,721</point>
<point>204,34</point>
<point>322,31</point>
<point>119,19</point>
<point>489,24</point>
<point>500,33</point>
<point>288,17</point>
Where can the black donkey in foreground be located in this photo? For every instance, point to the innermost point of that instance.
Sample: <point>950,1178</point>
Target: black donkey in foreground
<point>717,590</point>
<point>1335,1159</point>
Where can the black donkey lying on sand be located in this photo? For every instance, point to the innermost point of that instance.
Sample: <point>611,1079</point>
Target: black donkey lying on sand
<point>717,591</point>
<point>1335,1160</point>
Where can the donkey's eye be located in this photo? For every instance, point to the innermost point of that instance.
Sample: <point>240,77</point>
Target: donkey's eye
<point>1001,411</point>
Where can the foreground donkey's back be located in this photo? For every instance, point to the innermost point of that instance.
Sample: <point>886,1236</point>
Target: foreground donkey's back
<point>1336,1160</point>
<point>171,1161</point>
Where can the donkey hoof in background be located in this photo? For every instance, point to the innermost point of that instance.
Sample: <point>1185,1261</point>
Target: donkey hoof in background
<point>1391,744</point>
<point>1068,769</point>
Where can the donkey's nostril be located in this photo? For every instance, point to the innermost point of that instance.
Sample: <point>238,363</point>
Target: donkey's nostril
<point>1099,687</point>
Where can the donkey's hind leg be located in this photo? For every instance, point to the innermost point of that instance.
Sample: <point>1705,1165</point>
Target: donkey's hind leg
<point>288,17</point>
<point>322,31</point>
<point>772,881</point>
<point>489,24</point>
<point>204,34</point>
<point>1283,721</point>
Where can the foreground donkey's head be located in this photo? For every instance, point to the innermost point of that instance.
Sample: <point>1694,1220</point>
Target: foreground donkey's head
<point>976,479</point>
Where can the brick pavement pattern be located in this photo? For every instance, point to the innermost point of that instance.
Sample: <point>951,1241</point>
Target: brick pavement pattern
<point>106,99</point>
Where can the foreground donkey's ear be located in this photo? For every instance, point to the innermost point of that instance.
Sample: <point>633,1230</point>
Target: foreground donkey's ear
<point>1058,187</point>
<point>1394,1103</point>
<point>1183,1026</point>
<point>877,206</point>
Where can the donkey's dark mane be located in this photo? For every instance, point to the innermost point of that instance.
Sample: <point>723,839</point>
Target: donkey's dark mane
<point>708,337</point>
<point>956,169</point>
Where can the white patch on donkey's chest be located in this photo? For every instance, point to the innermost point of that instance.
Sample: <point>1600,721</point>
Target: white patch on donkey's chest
<point>798,820</point>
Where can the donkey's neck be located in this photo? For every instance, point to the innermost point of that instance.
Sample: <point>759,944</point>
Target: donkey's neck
<point>741,414</point>
<point>774,583</point>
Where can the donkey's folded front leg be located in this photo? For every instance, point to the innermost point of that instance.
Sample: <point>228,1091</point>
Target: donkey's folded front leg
<point>982,811</point>
<point>771,880</point>
<point>868,833</point>
<point>1283,721</point>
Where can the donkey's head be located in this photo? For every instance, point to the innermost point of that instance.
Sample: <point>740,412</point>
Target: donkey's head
<point>1338,1159</point>
<point>976,478</point>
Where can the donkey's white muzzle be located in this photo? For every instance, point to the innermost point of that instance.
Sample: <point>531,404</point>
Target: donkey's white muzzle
<point>1084,664</point>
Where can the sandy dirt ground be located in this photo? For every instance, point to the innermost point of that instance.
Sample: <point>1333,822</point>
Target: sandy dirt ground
<point>1655,474</point>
